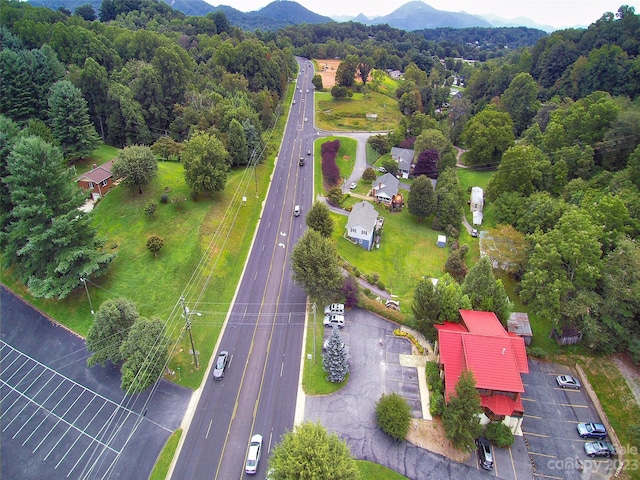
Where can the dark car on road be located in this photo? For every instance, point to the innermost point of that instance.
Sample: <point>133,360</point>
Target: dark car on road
<point>599,449</point>
<point>485,453</point>
<point>592,430</point>
<point>221,365</point>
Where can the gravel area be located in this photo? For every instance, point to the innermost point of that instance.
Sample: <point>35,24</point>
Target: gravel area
<point>631,373</point>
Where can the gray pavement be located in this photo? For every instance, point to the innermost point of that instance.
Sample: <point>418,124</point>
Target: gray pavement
<point>374,361</point>
<point>60,419</point>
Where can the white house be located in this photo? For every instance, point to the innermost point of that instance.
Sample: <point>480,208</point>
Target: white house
<point>361,225</point>
<point>384,188</point>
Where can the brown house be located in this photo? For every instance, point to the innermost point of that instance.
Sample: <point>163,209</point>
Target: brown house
<point>97,181</point>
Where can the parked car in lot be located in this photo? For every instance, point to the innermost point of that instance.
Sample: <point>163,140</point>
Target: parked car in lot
<point>253,457</point>
<point>592,430</point>
<point>353,185</point>
<point>334,308</point>
<point>485,453</point>
<point>333,319</point>
<point>567,381</point>
<point>599,449</point>
<point>221,365</point>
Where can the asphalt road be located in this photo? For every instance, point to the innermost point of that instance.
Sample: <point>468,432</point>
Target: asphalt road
<point>264,330</point>
<point>62,420</point>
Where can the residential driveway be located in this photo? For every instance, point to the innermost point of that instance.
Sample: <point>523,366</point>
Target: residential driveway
<point>549,426</point>
<point>374,362</point>
<point>62,420</point>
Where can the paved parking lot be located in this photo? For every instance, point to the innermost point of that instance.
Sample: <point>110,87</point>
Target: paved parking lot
<point>60,419</point>
<point>549,426</point>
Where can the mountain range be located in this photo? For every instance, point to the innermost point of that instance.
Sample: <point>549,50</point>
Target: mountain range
<point>414,15</point>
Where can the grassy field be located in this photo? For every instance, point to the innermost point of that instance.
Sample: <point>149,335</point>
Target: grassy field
<point>350,113</point>
<point>375,471</point>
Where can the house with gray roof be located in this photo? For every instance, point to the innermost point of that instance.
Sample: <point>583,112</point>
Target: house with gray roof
<point>97,181</point>
<point>362,225</point>
<point>404,157</point>
<point>384,188</point>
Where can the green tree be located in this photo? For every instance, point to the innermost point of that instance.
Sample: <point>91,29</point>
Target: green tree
<point>434,139</point>
<point>452,299</point>
<point>520,101</point>
<point>52,243</point>
<point>316,266</point>
<point>9,131</point>
<point>346,71</point>
<point>518,172</point>
<point>426,308</point>
<point>421,201</point>
<point>166,148</point>
<point>484,291</point>
<point>319,219</point>
<point>145,352</point>
<point>393,416</point>
<point>455,264</point>
<point>109,329</point>
<point>309,451</point>
<point>488,135</point>
<point>334,360</point>
<point>155,244</point>
<point>70,123</point>
<point>206,163</point>
<point>317,81</point>
<point>86,11</point>
<point>507,248</point>
<point>238,150</point>
<point>94,83</point>
<point>461,418</point>
<point>136,166</point>
<point>364,68</point>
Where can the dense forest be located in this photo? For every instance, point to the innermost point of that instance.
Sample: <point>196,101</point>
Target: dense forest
<point>557,117</point>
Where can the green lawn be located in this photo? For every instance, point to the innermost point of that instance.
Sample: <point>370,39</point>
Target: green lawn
<point>375,471</point>
<point>163,463</point>
<point>350,113</point>
<point>102,154</point>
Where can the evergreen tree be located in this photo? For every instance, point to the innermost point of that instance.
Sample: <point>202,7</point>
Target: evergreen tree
<point>421,201</point>
<point>334,361</point>
<point>237,144</point>
<point>50,241</point>
<point>9,131</point>
<point>426,308</point>
<point>393,415</point>
<point>320,220</point>
<point>70,124</point>
<point>461,419</point>
<point>109,329</point>
<point>145,352</point>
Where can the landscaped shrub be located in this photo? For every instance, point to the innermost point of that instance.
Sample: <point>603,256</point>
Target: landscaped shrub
<point>537,352</point>
<point>381,285</point>
<point>369,175</point>
<point>335,196</point>
<point>330,170</point>
<point>433,376</point>
<point>164,198</point>
<point>399,333</point>
<point>151,207</point>
<point>499,434</point>
<point>436,404</point>
<point>393,415</point>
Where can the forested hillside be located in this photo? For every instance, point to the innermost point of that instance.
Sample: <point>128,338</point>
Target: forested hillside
<point>558,120</point>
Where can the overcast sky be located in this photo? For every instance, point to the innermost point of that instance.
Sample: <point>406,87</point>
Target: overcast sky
<point>557,13</point>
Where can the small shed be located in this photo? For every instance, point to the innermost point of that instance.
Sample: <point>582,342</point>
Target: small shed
<point>442,241</point>
<point>476,202</point>
<point>519,325</point>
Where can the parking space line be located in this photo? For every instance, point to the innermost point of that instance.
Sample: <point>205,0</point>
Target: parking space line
<point>44,419</point>
<point>535,434</point>
<point>543,475</point>
<point>542,454</point>
<point>572,405</point>
<point>532,416</point>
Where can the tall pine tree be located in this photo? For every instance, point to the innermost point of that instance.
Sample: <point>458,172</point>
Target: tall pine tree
<point>50,241</point>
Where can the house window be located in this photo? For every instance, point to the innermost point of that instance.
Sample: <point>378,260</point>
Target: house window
<point>352,230</point>
<point>91,185</point>
<point>104,183</point>
<point>364,232</point>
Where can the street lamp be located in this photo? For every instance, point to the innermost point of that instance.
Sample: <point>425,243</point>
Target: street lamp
<point>187,316</point>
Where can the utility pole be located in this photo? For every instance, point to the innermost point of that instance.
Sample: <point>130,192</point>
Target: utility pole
<point>187,315</point>
<point>84,281</point>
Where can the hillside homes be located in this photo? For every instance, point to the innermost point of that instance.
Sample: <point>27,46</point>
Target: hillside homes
<point>364,225</point>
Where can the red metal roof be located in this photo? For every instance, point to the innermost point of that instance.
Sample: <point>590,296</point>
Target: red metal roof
<point>502,405</point>
<point>483,346</point>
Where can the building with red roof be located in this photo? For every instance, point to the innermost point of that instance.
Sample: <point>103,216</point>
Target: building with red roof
<point>97,181</point>
<point>496,357</point>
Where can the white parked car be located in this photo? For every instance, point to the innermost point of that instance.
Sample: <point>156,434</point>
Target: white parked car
<point>253,457</point>
<point>333,319</point>
<point>334,308</point>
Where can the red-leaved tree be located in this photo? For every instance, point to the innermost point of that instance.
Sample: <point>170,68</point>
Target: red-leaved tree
<point>330,170</point>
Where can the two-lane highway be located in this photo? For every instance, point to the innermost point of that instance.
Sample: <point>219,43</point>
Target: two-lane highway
<point>264,329</point>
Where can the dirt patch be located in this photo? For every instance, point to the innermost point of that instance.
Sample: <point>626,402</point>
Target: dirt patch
<point>630,372</point>
<point>429,434</point>
<point>327,70</point>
